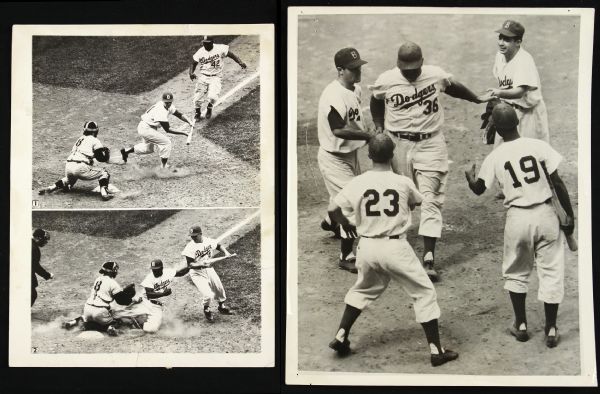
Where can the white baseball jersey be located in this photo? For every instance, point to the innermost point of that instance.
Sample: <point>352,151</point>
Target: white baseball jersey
<point>162,283</point>
<point>211,62</point>
<point>158,113</point>
<point>516,165</point>
<point>201,251</point>
<point>103,292</point>
<point>380,203</point>
<point>83,150</point>
<point>519,71</point>
<point>412,106</point>
<point>347,104</point>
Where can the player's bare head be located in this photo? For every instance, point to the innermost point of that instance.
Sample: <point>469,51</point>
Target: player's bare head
<point>410,60</point>
<point>348,63</point>
<point>156,266</point>
<point>167,99</point>
<point>196,233</point>
<point>207,43</point>
<point>110,268</point>
<point>41,236</point>
<point>505,119</point>
<point>381,148</point>
<point>91,128</point>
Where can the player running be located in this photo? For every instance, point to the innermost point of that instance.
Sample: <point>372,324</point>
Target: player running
<point>157,115</point>
<point>209,61</point>
<point>380,202</point>
<point>532,233</point>
<point>407,104</point>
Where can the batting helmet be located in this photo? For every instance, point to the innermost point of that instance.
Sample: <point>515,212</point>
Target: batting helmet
<point>505,118</point>
<point>109,268</point>
<point>410,56</point>
<point>90,128</point>
<point>381,148</point>
<point>156,264</point>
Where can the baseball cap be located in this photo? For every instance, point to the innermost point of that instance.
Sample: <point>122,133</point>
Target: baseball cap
<point>511,29</point>
<point>207,39</point>
<point>195,230</point>
<point>156,264</point>
<point>41,234</point>
<point>410,56</point>
<point>505,117</point>
<point>167,97</point>
<point>348,58</point>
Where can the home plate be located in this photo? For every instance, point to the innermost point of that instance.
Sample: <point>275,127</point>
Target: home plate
<point>90,335</point>
<point>111,189</point>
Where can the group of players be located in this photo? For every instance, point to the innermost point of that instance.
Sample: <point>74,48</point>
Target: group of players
<point>410,168</point>
<point>206,69</point>
<point>110,306</point>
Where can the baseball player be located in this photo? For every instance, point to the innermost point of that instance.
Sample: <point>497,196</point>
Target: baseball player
<point>532,233</point>
<point>198,253</point>
<point>381,201</point>
<point>97,311</point>
<point>341,132</point>
<point>156,115</point>
<point>407,104</point>
<point>80,163</point>
<point>209,62</point>
<point>39,239</point>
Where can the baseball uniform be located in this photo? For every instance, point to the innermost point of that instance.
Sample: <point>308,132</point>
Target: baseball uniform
<point>148,130</point>
<point>414,115</point>
<point>206,279</point>
<point>379,201</point>
<point>337,157</point>
<point>97,308</point>
<point>532,231</point>
<point>36,268</point>
<point>80,163</point>
<point>155,307</point>
<point>531,109</point>
<point>208,71</point>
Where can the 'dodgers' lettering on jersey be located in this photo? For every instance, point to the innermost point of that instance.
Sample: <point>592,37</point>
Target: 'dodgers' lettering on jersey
<point>399,99</point>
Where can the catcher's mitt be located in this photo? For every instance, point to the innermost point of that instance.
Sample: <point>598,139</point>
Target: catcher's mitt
<point>129,290</point>
<point>102,154</point>
<point>489,129</point>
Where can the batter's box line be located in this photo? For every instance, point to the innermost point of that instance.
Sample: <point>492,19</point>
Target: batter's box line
<point>238,226</point>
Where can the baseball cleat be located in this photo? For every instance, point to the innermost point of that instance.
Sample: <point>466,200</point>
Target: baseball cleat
<point>224,310</point>
<point>443,358</point>
<point>342,348</point>
<point>348,263</point>
<point>552,337</point>
<point>209,108</point>
<point>70,324</point>
<point>124,154</point>
<point>428,263</point>
<point>47,190</point>
<point>209,316</point>
<point>112,331</point>
<point>519,333</point>
<point>105,194</point>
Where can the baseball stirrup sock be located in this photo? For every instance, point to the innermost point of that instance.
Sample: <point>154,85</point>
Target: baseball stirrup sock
<point>518,303</point>
<point>432,334</point>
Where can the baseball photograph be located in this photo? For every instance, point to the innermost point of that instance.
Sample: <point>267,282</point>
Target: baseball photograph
<point>149,120</point>
<point>438,208</point>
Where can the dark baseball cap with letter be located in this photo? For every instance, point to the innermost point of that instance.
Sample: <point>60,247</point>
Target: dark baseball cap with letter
<point>511,29</point>
<point>40,233</point>
<point>156,264</point>
<point>167,97</point>
<point>348,58</point>
<point>195,230</point>
<point>410,56</point>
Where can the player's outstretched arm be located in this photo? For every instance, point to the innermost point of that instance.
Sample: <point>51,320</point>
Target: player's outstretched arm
<point>192,69</point>
<point>563,197</point>
<point>236,59</point>
<point>167,128</point>
<point>460,91</point>
<point>151,294</point>
<point>336,215</point>
<point>477,185</point>
<point>339,129</point>
<point>512,93</point>
<point>377,113</point>
<point>182,117</point>
<point>182,271</point>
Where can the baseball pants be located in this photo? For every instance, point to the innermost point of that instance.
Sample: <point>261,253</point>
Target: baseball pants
<point>533,235</point>
<point>426,163</point>
<point>99,315</point>
<point>380,259</point>
<point>153,312</point>
<point>209,285</point>
<point>152,138</point>
<point>337,169</point>
<point>75,171</point>
<point>207,89</point>
<point>533,123</point>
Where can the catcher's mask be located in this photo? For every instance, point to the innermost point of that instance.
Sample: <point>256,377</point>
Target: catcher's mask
<point>109,268</point>
<point>90,128</point>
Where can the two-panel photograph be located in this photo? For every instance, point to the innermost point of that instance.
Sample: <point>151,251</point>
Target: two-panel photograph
<point>360,197</point>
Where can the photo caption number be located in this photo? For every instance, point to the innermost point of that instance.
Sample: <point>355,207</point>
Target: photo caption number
<point>529,167</point>
<point>373,199</point>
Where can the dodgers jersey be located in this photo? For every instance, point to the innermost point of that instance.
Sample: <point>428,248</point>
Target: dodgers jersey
<point>519,71</point>
<point>162,283</point>
<point>412,106</point>
<point>347,103</point>
<point>83,150</point>
<point>211,62</point>
<point>380,202</point>
<point>103,292</point>
<point>158,113</point>
<point>200,251</point>
<point>516,165</point>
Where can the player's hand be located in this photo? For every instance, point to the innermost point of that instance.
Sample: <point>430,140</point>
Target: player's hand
<point>350,230</point>
<point>570,227</point>
<point>471,174</point>
<point>51,276</point>
<point>192,76</point>
<point>167,292</point>
<point>378,129</point>
<point>136,300</point>
<point>484,98</point>
<point>243,65</point>
<point>494,92</point>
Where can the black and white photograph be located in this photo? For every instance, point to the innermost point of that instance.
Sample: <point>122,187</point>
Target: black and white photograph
<point>439,198</point>
<point>143,175</point>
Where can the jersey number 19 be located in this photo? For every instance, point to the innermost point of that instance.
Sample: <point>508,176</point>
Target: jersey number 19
<point>529,167</point>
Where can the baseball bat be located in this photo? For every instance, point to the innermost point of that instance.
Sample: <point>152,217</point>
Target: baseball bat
<point>214,260</point>
<point>189,137</point>
<point>563,218</point>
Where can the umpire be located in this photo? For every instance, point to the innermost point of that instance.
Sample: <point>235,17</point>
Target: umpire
<point>39,239</point>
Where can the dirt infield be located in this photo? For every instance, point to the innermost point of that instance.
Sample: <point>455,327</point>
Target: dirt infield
<point>476,311</point>
<point>209,172</point>
<point>74,257</point>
